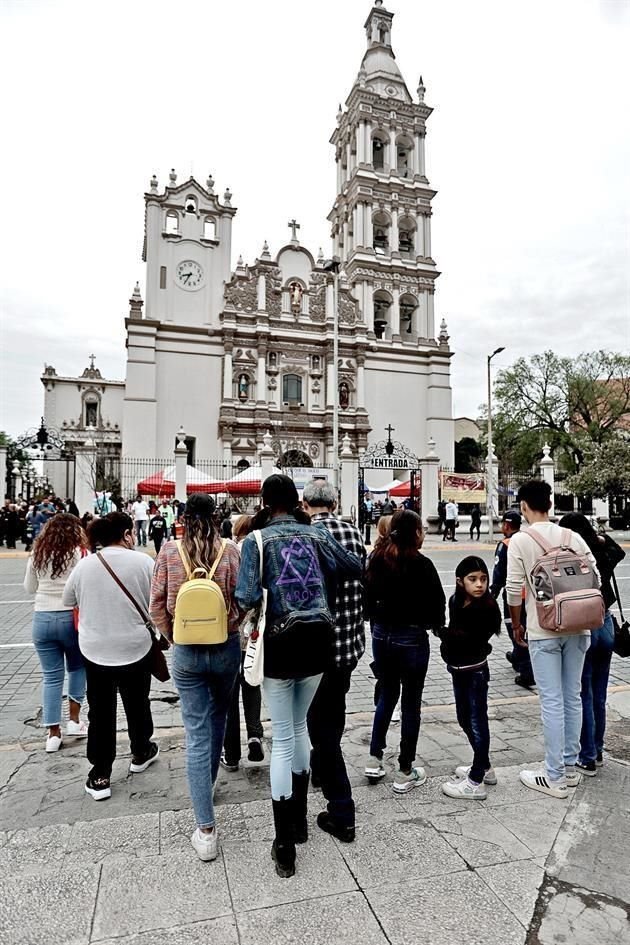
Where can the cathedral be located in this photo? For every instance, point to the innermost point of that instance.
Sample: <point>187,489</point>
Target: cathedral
<point>230,355</point>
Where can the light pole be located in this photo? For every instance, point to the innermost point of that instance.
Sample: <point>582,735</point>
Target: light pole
<point>333,266</point>
<point>490,468</point>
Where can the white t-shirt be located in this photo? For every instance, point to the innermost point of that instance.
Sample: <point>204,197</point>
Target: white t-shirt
<point>111,631</point>
<point>451,511</point>
<point>523,552</point>
<point>140,512</point>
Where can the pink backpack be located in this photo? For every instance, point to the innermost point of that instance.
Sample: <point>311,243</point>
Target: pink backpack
<point>566,587</point>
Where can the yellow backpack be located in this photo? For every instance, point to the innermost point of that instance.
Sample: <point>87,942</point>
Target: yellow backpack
<point>200,612</point>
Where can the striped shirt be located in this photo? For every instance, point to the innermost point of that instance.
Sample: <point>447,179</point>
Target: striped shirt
<point>169,575</point>
<point>347,606</point>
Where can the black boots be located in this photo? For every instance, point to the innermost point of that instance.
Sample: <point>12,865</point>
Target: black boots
<point>299,798</point>
<point>283,848</point>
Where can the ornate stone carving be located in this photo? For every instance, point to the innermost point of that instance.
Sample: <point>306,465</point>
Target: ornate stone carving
<point>273,293</point>
<point>347,309</point>
<point>317,298</point>
<point>242,295</point>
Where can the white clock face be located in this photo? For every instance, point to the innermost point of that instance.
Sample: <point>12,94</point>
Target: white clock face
<point>189,274</point>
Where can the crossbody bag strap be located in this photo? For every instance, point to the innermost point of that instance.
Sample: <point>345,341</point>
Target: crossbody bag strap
<point>617,595</point>
<point>145,617</point>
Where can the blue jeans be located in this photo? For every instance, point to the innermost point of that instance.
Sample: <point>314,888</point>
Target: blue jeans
<point>557,666</point>
<point>401,659</point>
<point>470,688</point>
<point>594,689</point>
<point>141,532</point>
<point>289,701</point>
<point>204,676</point>
<point>56,641</point>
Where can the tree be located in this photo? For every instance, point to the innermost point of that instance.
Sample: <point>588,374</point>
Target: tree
<point>469,455</point>
<point>606,470</point>
<point>571,402</point>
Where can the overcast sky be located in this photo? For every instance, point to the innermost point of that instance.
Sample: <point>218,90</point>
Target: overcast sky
<point>528,147</point>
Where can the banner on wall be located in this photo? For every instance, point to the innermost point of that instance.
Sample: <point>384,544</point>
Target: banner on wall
<point>463,487</point>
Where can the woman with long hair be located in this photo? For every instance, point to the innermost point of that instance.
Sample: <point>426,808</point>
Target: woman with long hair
<point>115,643</point>
<point>607,554</point>
<point>404,599</point>
<point>57,550</point>
<point>297,559</point>
<point>204,673</point>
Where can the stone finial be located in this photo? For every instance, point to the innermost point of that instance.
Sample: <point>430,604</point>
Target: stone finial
<point>444,336</point>
<point>240,267</point>
<point>378,3</point>
<point>320,257</point>
<point>265,251</point>
<point>181,439</point>
<point>339,114</point>
<point>346,447</point>
<point>172,177</point>
<point>227,197</point>
<point>421,90</point>
<point>547,459</point>
<point>135,302</point>
<point>153,185</point>
<point>431,445</point>
<point>210,184</point>
<point>267,438</point>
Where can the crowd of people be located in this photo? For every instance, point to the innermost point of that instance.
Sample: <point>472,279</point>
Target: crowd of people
<point>300,580</point>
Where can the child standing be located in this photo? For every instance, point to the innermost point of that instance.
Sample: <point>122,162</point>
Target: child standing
<point>474,618</point>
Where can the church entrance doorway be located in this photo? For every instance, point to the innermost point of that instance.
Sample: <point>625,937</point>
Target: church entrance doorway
<point>395,457</point>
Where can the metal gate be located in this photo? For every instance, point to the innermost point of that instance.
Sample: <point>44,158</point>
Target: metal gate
<point>390,455</point>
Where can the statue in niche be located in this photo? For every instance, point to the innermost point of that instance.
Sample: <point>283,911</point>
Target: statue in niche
<point>344,395</point>
<point>295,294</point>
<point>273,360</point>
<point>243,387</point>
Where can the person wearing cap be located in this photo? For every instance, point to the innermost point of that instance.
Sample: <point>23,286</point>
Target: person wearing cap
<point>204,674</point>
<point>518,656</point>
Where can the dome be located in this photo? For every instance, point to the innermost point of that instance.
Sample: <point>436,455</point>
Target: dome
<point>379,59</point>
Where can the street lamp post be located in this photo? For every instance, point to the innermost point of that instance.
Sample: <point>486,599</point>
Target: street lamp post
<point>490,467</point>
<point>333,266</point>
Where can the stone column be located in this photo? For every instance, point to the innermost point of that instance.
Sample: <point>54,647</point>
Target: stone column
<point>430,314</point>
<point>227,449</point>
<point>85,476</point>
<point>330,383</point>
<point>227,375</point>
<point>396,314</point>
<point>427,235</point>
<point>392,149</point>
<point>429,475</point>
<point>423,315</point>
<point>261,377</point>
<point>369,226</point>
<point>361,381</point>
<point>3,472</point>
<point>393,236</point>
<point>368,142</point>
<point>420,234</point>
<point>349,479</point>
<point>416,152</point>
<point>359,228</point>
<point>267,457</point>
<point>180,455</point>
<point>262,293</point>
<point>548,473</point>
<point>421,156</point>
<point>369,308</point>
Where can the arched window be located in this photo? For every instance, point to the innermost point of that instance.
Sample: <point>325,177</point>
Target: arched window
<point>381,233</point>
<point>406,237</point>
<point>191,204</point>
<point>171,221</point>
<point>292,389</point>
<point>209,229</point>
<point>378,153</point>
<point>382,305</point>
<point>408,305</point>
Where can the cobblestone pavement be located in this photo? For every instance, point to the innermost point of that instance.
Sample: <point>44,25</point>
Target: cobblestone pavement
<point>423,868</point>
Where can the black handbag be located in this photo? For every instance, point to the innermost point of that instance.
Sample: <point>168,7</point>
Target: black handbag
<point>621,646</point>
<point>158,664</point>
<point>299,645</point>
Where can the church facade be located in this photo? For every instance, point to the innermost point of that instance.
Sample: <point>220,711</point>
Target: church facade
<point>232,355</point>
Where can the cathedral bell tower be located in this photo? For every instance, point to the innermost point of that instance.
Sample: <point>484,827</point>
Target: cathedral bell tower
<point>381,219</point>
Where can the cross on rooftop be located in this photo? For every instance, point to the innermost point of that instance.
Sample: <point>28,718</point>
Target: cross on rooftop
<point>293,226</point>
<point>389,429</point>
<point>92,359</point>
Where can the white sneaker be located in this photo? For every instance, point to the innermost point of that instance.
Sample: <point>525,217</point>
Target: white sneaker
<point>462,771</point>
<point>539,781</point>
<point>465,790</point>
<point>573,777</point>
<point>407,782</point>
<point>77,729</point>
<point>205,844</point>
<point>374,769</point>
<point>396,717</point>
<point>54,742</point>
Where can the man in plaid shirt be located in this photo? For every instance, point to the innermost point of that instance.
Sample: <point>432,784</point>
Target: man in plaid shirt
<point>327,714</point>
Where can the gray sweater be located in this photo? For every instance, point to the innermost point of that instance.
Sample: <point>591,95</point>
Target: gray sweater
<point>111,631</point>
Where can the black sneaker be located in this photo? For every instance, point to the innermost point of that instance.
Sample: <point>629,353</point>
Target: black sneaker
<point>589,768</point>
<point>228,765</point>
<point>524,682</point>
<point>509,656</point>
<point>599,761</point>
<point>141,764</point>
<point>98,788</point>
<point>330,825</point>
<point>255,750</point>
